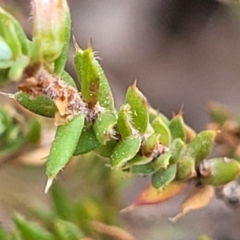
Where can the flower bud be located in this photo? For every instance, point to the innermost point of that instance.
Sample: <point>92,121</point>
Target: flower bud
<point>50,24</point>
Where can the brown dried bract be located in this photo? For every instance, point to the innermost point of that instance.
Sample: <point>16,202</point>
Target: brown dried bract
<point>66,98</point>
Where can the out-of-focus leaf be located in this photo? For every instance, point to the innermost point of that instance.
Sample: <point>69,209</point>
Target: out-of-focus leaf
<point>65,230</point>
<point>150,195</point>
<point>219,113</point>
<point>112,231</point>
<point>30,230</point>
<point>34,131</point>
<point>199,198</point>
<point>61,204</point>
<point>3,234</point>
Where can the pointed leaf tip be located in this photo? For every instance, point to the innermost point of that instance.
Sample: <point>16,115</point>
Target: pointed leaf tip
<point>48,185</point>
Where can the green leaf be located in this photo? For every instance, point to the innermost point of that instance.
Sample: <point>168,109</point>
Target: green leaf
<point>201,146</point>
<point>185,167</point>
<point>219,171</point>
<point>65,76</point>
<point>13,34</point>
<point>40,105</point>
<point>162,161</point>
<point>176,127</point>
<point>124,121</point>
<point>105,93</point>
<point>105,97</point>
<point>164,176</point>
<point>104,126</point>
<point>161,128</point>
<point>31,231</point>
<point>125,150</point>
<point>64,145</point>
<point>87,141</point>
<point>144,169</point>
<point>176,148</point>
<point>87,75</point>
<point>67,231</point>
<point>105,151</point>
<point>139,108</point>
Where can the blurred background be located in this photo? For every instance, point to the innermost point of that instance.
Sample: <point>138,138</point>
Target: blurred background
<point>182,53</point>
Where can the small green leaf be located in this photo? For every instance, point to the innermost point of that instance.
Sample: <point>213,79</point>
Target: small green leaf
<point>104,126</point>
<point>176,147</point>
<point>87,75</point>
<point>105,151</point>
<point>161,128</point>
<point>164,176</point>
<point>125,150</point>
<point>201,146</point>
<point>138,159</point>
<point>40,105</point>
<point>139,108</point>
<point>105,93</point>
<point>162,161</point>
<point>219,171</point>
<point>31,231</point>
<point>144,169</point>
<point>176,127</point>
<point>87,141</point>
<point>64,145</point>
<point>185,167</point>
<point>124,121</point>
